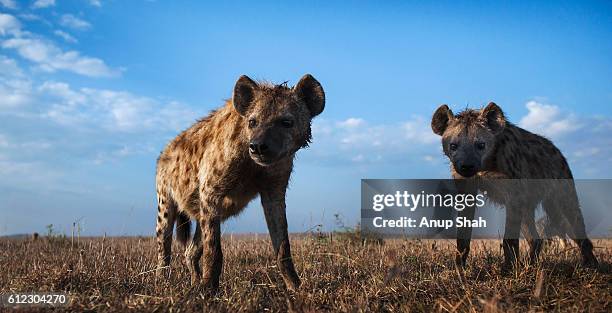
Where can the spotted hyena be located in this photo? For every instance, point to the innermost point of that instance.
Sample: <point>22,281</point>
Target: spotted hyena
<point>482,145</point>
<point>212,170</point>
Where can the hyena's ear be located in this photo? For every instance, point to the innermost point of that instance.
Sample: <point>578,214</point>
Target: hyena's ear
<point>310,90</point>
<point>244,92</point>
<point>493,117</point>
<point>440,119</point>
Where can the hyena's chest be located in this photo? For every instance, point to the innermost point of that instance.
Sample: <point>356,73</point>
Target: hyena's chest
<point>223,188</point>
<point>237,199</point>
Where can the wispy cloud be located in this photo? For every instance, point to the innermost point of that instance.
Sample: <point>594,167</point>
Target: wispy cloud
<point>9,25</point>
<point>355,140</point>
<point>41,4</point>
<point>15,88</point>
<point>64,35</point>
<point>32,17</point>
<point>95,3</point>
<point>114,111</point>
<point>47,55</point>
<point>9,67</point>
<point>14,93</point>
<point>69,126</point>
<point>50,58</point>
<point>71,21</point>
<point>351,122</point>
<point>548,120</point>
<point>10,4</point>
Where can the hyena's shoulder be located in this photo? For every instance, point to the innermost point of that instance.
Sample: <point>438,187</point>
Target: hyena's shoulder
<point>528,155</point>
<point>201,135</point>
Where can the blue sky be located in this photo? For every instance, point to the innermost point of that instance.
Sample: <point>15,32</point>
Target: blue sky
<point>90,92</point>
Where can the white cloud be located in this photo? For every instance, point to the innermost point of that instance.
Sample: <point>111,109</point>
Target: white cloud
<point>9,67</point>
<point>356,140</point>
<point>40,4</point>
<point>63,91</point>
<point>71,21</point>
<point>116,111</point>
<point>548,120</point>
<point>51,58</point>
<point>27,173</point>
<point>429,158</point>
<point>9,25</point>
<point>64,35</point>
<point>95,3</point>
<point>30,145</point>
<point>29,17</point>
<point>15,89</point>
<point>15,93</point>
<point>419,130</point>
<point>10,4</point>
<point>351,123</point>
<point>584,140</point>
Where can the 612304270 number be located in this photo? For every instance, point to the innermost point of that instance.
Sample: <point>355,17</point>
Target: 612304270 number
<point>21,299</point>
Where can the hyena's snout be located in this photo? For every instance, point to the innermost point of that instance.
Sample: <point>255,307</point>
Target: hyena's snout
<point>267,148</point>
<point>259,148</point>
<point>466,169</point>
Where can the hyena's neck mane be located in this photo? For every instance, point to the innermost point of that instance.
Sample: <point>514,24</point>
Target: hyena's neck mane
<point>226,128</point>
<point>508,138</point>
<point>222,130</point>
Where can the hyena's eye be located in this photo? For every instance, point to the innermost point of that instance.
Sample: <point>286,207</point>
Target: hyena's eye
<point>252,123</point>
<point>453,146</point>
<point>480,145</point>
<point>287,123</point>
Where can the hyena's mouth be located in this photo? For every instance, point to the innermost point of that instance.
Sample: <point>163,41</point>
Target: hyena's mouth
<point>267,160</point>
<point>467,174</point>
<point>262,160</point>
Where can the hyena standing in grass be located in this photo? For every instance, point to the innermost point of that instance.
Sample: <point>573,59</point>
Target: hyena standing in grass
<point>212,170</point>
<point>482,145</point>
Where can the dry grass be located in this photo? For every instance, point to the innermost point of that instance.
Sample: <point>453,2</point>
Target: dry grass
<point>402,275</point>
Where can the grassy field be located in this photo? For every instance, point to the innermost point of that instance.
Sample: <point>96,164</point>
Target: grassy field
<point>110,274</point>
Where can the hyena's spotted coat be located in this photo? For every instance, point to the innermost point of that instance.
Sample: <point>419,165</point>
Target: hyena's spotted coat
<point>214,169</point>
<point>481,144</point>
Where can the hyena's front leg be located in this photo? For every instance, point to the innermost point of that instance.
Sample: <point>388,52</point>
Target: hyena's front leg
<point>464,236</point>
<point>212,260</point>
<point>273,203</point>
<point>511,237</point>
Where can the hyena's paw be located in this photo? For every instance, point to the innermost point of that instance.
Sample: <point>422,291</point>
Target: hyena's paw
<point>209,285</point>
<point>460,260</point>
<point>508,268</point>
<point>292,282</point>
<point>590,262</point>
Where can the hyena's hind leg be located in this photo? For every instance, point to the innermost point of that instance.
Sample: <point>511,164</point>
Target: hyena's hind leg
<point>565,210</point>
<point>530,232</point>
<point>193,255</point>
<point>165,224</point>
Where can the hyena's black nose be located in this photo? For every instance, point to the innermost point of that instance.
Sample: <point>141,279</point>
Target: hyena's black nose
<point>257,147</point>
<point>467,168</point>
